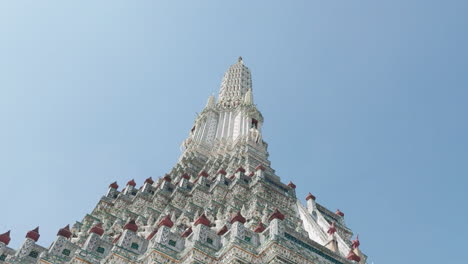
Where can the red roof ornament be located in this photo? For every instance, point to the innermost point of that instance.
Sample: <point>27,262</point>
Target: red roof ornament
<point>186,176</point>
<point>166,221</point>
<point>259,228</point>
<point>238,218</point>
<point>292,185</point>
<point>260,167</point>
<point>187,232</point>
<point>203,173</point>
<point>149,180</point>
<point>33,234</point>
<point>202,220</point>
<point>251,173</point>
<point>221,171</point>
<point>356,242</point>
<point>131,225</point>
<point>222,231</point>
<point>5,238</point>
<point>353,256</point>
<point>276,215</point>
<point>65,232</point>
<point>151,235</point>
<point>332,229</point>
<point>97,229</point>
<point>338,212</point>
<point>114,185</point>
<point>117,238</point>
<point>310,196</point>
<point>167,178</point>
<point>132,183</point>
<point>240,169</point>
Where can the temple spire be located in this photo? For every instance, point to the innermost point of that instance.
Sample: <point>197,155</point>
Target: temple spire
<point>211,102</point>
<point>228,127</point>
<point>236,82</point>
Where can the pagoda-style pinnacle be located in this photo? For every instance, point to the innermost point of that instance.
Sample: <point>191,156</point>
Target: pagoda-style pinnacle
<point>167,178</point>
<point>310,196</point>
<point>202,220</point>
<point>5,238</point>
<point>356,242</point>
<point>131,183</point>
<point>203,173</point>
<point>238,218</point>
<point>33,234</point>
<point>97,229</point>
<point>259,228</point>
<point>260,167</point>
<point>240,169</point>
<point>187,232</point>
<point>276,215</point>
<point>292,185</point>
<point>211,102</point>
<point>65,232</point>
<point>239,60</point>
<point>352,256</point>
<point>222,231</point>
<point>117,238</point>
<point>151,235</point>
<point>131,225</point>
<point>332,229</point>
<point>114,185</point>
<point>149,180</point>
<point>166,221</point>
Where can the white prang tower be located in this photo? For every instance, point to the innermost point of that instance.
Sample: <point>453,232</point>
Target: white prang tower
<point>227,133</point>
<point>222,203</point>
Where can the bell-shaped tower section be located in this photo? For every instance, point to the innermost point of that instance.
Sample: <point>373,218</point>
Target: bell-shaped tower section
<point>236,82</point>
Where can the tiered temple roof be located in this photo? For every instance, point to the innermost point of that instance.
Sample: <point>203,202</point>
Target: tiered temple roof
<point>221,203</point>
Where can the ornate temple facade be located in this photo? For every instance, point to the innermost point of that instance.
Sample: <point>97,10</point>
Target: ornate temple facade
<point>222,203</point>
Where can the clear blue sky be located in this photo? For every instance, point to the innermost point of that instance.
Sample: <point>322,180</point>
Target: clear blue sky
<point>365,106</point>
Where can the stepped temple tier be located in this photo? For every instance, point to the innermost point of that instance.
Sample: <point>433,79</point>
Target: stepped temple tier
<point>222,203</point>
